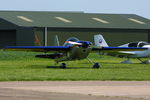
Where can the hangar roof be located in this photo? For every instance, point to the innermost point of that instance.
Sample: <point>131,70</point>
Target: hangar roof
<point>75,20</point>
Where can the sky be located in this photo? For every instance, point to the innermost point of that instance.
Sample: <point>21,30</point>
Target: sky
<point>139,7</point>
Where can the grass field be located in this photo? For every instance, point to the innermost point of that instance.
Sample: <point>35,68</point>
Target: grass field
<point>22,66</point>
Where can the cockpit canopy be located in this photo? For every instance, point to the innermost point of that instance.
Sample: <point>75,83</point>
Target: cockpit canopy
<point>138,44</point>
<point>83,44</point>
<point>73,39</point>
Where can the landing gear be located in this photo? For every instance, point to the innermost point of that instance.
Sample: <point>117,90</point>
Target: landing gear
<point>63,65</point>
<point>96,66</point>
<point>144,62</point>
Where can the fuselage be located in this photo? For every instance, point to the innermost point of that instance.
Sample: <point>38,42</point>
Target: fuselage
<point>138,54</point>
<point>79,50</point>
<point>142,54</point>
<point>78,53</point>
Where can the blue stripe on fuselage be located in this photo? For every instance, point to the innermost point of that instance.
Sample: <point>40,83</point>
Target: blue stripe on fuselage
<point>110,48</point>
<point>39,47</point>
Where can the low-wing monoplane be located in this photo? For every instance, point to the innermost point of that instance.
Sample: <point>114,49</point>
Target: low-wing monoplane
<point>100,42</point>
<point>73,49</point>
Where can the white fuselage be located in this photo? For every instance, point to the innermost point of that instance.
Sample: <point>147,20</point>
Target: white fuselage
<point>141,54</point>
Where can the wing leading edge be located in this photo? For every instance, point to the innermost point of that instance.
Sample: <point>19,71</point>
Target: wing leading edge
<point>67,48</point>
<point>114,49</point>
<point>38,48</point>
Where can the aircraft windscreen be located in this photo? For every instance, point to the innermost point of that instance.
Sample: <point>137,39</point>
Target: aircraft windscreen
<point>137,44</point>
<point>142,44</point>
<point>133,44</point>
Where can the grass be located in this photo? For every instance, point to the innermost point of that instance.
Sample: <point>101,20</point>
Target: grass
<point>22,66</point>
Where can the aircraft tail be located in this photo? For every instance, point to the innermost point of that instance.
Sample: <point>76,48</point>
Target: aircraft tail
<point>100,41</point>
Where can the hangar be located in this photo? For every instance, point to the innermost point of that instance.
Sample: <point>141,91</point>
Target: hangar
<point>28,28</point>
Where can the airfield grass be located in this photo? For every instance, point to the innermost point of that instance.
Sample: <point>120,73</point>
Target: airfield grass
<point>23,66</point>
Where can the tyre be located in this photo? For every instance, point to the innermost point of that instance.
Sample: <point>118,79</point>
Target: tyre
<point>96,65</point>
<point>63,65</point>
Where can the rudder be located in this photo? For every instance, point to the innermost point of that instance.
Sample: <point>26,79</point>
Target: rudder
<point>100,41</point>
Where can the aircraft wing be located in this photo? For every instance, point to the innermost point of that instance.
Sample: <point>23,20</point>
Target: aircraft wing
<point>116,49</point>
<point>67,48</point>
<point>126,53</point>
<point>119,51</point>
<point>38,48</point>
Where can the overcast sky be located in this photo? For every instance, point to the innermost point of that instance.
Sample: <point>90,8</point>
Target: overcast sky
<point>139,7</point>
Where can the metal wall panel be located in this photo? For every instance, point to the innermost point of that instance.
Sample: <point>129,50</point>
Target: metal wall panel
<point>114,38</point>
<point>7,38</point>
<point>25,36</point>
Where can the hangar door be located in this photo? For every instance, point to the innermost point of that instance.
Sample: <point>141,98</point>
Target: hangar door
<point>7,38</point>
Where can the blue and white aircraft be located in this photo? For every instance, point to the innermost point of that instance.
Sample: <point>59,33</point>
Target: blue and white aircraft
<point>73,49</point>
<point>100,42</point>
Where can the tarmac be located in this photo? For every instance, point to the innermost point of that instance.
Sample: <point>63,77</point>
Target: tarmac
<point>75,90</point>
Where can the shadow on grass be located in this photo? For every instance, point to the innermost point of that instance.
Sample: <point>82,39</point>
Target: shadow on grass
<point>114,66</point>
<point>36,66</point>
<point>101,63</point>
<point>58,67</point>
<point>55,67</point>
<point>117,67</point>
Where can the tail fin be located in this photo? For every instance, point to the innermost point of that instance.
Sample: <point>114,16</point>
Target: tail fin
<point>99,41</point>
<point>56,41</point>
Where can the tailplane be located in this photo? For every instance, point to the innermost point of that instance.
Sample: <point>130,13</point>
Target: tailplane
<point>100,41</point>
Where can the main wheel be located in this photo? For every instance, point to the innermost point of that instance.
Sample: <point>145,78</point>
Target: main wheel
<point>63,65</point>
<point>96,65</point>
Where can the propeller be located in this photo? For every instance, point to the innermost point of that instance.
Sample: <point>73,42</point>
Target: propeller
<point>84,44</point>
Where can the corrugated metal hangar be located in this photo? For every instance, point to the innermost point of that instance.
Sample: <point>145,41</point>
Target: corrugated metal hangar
<point>39,28</point>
